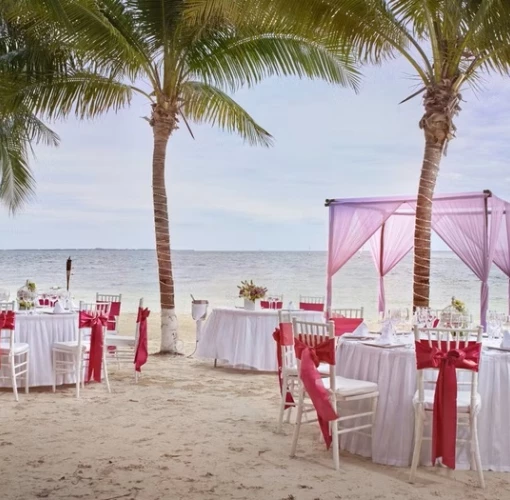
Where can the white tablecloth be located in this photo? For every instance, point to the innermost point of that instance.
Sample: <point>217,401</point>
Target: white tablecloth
<point>394,370</point>
<point>244,339</point>
<point>40,331</point>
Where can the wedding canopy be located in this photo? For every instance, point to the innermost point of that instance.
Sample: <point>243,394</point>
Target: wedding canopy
<point>476,227</point>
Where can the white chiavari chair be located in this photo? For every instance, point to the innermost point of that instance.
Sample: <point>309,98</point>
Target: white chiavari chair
<point>347,313</point>
<point>14,356</point>
<point>70,358</point>
<point>341,390</point>
<point>468,398</point>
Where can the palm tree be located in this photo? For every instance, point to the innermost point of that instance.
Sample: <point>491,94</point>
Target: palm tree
<point>184,57</point>
<point>449,45</point>
<point>19,127</point>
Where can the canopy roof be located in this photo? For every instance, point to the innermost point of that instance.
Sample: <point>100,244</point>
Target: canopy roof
<point>475,226</point>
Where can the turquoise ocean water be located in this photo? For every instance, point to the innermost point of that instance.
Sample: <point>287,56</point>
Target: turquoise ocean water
<point>215,275</point>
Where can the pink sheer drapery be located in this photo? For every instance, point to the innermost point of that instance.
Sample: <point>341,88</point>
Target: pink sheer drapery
<point>465,225</point>
<point>351,224</point>
<point>502,252</point>
<point>389,245</point>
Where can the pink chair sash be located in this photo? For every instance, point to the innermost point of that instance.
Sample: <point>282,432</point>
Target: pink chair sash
<point>444,424</point>
<point>307,306</point>
<point>142,351</point>
<point>114,314</point>
<point>310,358</point>
<point>96,322</point>
<point>283,337</point>
<point>345,325</point>
<point>7,322</point>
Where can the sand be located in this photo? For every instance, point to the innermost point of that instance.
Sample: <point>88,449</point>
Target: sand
<point>189,431</point>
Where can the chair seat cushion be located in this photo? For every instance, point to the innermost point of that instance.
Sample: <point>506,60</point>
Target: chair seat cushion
<point>71,346</point>
<point>119,339</point>
<point>463,400</point>
<point>351,387</point>
<point>17,348</point>
<point>323,370</point>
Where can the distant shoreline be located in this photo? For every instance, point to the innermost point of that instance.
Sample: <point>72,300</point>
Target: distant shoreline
<point>179,250</point>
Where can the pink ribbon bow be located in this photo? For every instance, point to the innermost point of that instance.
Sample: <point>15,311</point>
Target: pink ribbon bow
<point>96,322</point>
<point>142,352</point>
<point>7,322</point>
<point>310,358</point>
<point>444,423</point>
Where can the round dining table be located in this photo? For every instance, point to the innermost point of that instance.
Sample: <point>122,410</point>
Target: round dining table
<point>394,371</point>
<point>242,338</point>
<point>40,330</point>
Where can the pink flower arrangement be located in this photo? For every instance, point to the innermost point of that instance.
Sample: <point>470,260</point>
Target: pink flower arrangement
<point>250,291</point>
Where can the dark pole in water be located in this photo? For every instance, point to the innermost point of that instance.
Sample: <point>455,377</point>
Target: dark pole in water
<point>69,263</point>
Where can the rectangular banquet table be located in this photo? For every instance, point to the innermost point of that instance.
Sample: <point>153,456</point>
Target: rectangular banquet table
<point>244,339</point>
<point>394,370</point>
<point>40,331</point>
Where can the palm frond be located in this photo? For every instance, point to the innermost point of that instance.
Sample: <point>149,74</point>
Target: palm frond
<point>204,103</point>
<point>231,61</point>
<point>16,180</point>
<point>86,94</point>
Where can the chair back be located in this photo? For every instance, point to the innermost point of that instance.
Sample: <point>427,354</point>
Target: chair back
<point>346,313</point>
<point>453,319</point>
<point>4,295</point>
<point>312,335</point>
<point>272,301</point>
<point>115,301</point>
<point>446,339</point>
<point>92,308</point>
<point>307,303</point>
<point>8,306</point>
<point>7,334</point>
<point>286,340</point>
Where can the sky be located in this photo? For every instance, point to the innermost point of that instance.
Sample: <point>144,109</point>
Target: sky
<point>95,189</point>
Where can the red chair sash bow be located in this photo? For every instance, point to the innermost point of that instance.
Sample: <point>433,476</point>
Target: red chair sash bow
<point>283,336</point>
<point>265,304</point>
<point>142,351</point>
<point>444,423</point>
<point>96,322</point>
<point>7,320</point>
<point>310,358</point>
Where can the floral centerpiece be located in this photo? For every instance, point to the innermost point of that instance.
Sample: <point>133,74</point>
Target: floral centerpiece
<point>455,316</point>
<point>251,294</point>
<point>26,295</point>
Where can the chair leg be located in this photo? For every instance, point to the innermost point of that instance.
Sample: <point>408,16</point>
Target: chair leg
<point>476,447</point>
<point>77,361</point>
<point>283,399</point>
<point>54,368</point>
<point>13,377</point>
<point>335,443</point>
<point>291,389</point>
<point>419,416</point>
<point>105,373</point>
<point>299,417</point>
<point>27,373</point>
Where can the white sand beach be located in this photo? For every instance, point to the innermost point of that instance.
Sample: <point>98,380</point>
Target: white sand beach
<point>188,430</point>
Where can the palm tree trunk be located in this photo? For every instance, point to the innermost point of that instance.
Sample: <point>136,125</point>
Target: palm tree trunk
<point>423,226</point>
<point>441,104</point>
<point>163,124</point>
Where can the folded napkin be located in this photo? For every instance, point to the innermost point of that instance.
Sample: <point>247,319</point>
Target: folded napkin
<point>58,307</point>
<point>361,331</point>
<point>387,333</point>
<point>505,343</point>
